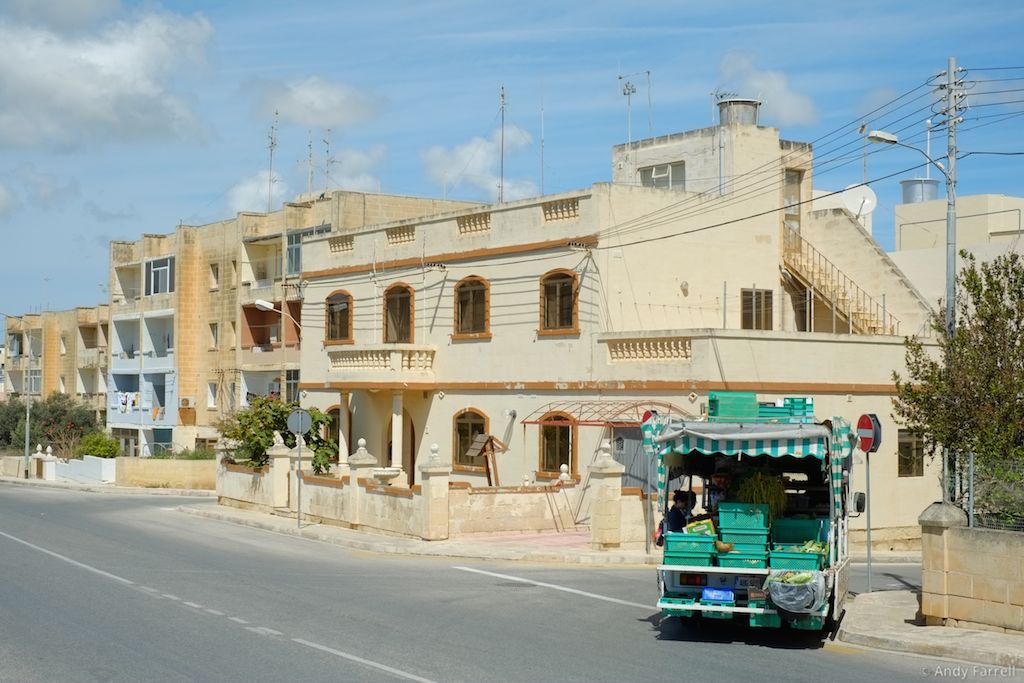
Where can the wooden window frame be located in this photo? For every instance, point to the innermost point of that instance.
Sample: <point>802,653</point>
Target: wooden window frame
<point>574,330</point>
<point>348,338</point>
<point>917,456</point>
<point>757,305</point>
<point>412,312</point>
<point>486,332</point>
<point>573,425</point>
<point>457,466</point>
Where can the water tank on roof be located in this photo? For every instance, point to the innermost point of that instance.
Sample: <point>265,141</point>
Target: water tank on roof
<point>737,110</point>
<point>918,190</point>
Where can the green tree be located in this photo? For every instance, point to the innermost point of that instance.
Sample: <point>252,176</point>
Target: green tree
<point>253,428</point>
<point>969,397</point>
<point>58,420</point>
<point>12,413</point>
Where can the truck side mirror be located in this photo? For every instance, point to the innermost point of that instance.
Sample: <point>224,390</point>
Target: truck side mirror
<point>859,502</point>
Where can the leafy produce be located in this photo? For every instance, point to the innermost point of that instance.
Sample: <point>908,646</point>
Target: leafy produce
<point>764,488</point>
<point>796,578</point>
<point>819,547</point>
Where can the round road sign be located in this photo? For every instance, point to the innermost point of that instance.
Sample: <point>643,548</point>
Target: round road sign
<point>299,421</point>
<point>869,432</point>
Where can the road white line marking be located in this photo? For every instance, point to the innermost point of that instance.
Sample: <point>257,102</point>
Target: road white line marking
<point>238,621</point>
<point>194,604</point>
<point>214,612</point>
<point>148,589</point>
<point>76,563</point>
<point>263,630</point>
<point>552,586</point>
<point>170,597</point>
<point>365,662</point>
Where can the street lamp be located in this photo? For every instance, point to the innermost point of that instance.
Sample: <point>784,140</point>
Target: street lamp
<point>28,399</point>
<point>267,306</point>
<point>886,138</point>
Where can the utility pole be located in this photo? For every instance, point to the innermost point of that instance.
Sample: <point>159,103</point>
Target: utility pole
<point>952,111</point>
<point>270,176</point>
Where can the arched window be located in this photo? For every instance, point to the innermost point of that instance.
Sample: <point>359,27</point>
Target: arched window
<point>559,310</point>
<point>339,317</point>
<point>557,442</point>
<point>398,312</point>
<point>467,425</point>
<point>472,307</point>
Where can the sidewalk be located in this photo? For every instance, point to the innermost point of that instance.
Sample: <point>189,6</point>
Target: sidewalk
<point>887,620</point>
<point>106,488</point>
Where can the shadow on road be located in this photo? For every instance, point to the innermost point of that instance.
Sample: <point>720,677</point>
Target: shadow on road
<point>703,630</point>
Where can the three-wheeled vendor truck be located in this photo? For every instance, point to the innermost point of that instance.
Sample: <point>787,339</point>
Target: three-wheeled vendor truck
<point>783,560</point>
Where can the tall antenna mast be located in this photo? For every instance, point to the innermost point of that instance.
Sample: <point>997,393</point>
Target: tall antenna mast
<point>328,160</point>
<point>650,122</point>
<point>542,144</point>
<point>309,162</point>
<point>501,175</point>
<point>270,177</point>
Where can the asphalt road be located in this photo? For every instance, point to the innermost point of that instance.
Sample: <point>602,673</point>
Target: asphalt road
<point>124,588</point>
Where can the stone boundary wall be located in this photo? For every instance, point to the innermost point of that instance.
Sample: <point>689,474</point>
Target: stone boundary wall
<point>971,578</point>
<point>12,466</point>
<point>161,473</point>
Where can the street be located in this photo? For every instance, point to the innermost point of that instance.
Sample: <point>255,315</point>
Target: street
<point>125,588</point>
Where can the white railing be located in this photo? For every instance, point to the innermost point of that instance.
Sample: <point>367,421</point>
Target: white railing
<point>650,349</point>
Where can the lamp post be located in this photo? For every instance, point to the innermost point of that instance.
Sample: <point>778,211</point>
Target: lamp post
<point>265,305</point>
<point>28,396</point>
<point>952,96</point>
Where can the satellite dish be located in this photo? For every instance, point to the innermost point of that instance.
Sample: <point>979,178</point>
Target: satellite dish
<point>860,200</point>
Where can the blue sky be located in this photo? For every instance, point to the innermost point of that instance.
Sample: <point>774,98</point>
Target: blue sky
<point>120,118</point>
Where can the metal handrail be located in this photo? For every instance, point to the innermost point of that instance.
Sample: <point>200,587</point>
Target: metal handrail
<point>846,296</point>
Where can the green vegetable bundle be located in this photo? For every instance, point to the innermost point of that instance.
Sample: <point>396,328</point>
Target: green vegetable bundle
<point>764,488</point>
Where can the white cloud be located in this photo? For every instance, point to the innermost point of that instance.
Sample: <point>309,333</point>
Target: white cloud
<point>781,103</point>
<point>63,14</point>
<point>8,202</point>
<point>111,85</point>
<point>354,169</point>
<point>316,102</point>
<point>44,189</point>
<point>476,163</point>
<point>250,194</point>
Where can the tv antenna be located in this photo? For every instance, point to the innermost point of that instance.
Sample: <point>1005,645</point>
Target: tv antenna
<point>328,160</point>
<point>501,171</point>
<point>270,177</point>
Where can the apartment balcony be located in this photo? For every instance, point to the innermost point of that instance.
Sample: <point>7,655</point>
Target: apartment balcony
<point>272,289</point>
<point>268,357</point>
<point>124,410</point>
<point>92,358</point>
<point>383,363</point>
<point>95,400</point>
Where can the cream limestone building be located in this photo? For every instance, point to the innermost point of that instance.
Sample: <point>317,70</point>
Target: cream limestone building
<point>552,323</point>
<point>188,342</point>
<point>59,351</point>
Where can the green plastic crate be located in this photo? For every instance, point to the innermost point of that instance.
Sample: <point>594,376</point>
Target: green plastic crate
<point>797,531</point>
<point>692,559</point>
<point>679,606</point>
<point>745,536</point>
<point>680,542</point>
<point>781,559</point>
<point>748,548</point>
<point>734,559</point>
<point>808,623</point>
<point>719,615</point>
<point>763,620</point>
<point>728,406</point>
<point>742,516</point>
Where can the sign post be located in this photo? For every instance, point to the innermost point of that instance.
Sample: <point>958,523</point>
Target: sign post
<point>869,436</point>
<point>299,423</point>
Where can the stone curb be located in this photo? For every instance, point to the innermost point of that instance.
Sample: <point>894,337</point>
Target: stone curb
<point>106,488</point>
<point>863,625</point>
<point>401,546</point>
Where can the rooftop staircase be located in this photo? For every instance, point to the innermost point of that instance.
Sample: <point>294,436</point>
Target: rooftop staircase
<point>851,304</point>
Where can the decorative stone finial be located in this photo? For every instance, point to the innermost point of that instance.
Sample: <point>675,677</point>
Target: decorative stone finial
<point>435,459</point>
<point>563,473</point>
<point>39,448</point>
<point>49,450</point>
<point>604,453</point>
<point>278,439</point>
<point>526,480</point>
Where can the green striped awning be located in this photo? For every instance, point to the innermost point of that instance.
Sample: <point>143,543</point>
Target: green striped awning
<point>744,439</point>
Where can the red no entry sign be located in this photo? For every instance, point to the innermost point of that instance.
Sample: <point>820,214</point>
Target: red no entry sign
<point>869,432</point>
